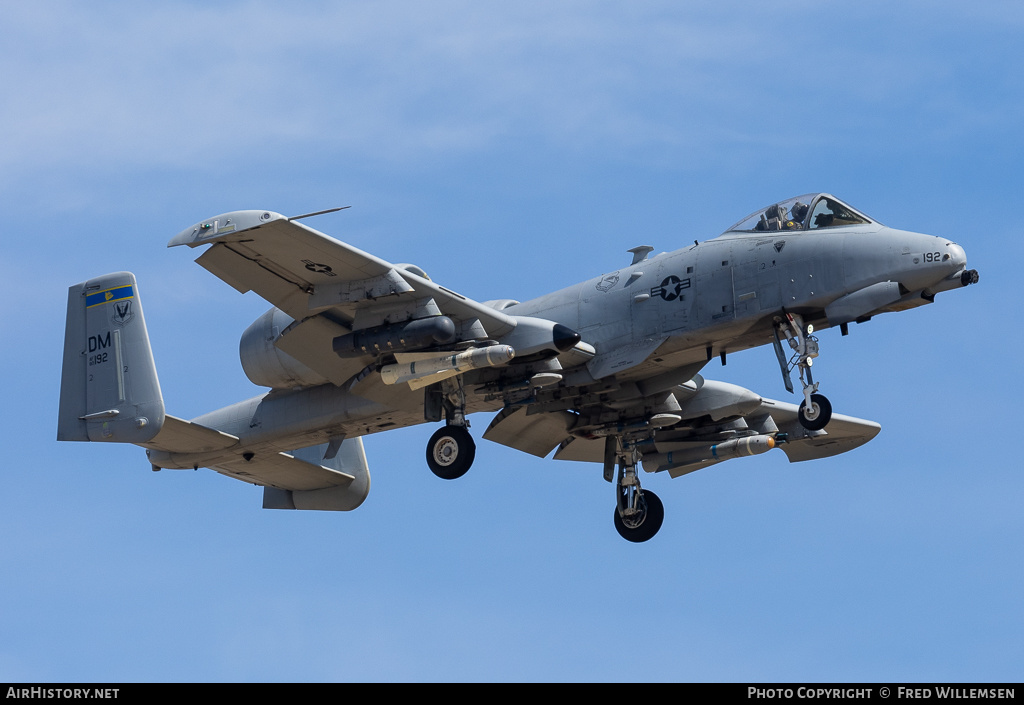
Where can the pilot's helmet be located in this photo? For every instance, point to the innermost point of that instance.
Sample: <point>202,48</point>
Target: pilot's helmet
<point>799,211</point>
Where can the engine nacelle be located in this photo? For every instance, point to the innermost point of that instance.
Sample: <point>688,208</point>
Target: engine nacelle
<point>267,366</point>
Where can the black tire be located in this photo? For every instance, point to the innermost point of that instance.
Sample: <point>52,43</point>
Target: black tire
<point>821,416</point>
<point>450,452</point>
<point>654,515</point>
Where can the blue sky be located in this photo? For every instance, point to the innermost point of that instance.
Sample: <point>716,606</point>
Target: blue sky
<point>510,151</point>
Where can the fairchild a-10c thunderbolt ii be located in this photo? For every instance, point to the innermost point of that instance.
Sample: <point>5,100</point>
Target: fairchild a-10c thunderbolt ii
<point>606,371</point>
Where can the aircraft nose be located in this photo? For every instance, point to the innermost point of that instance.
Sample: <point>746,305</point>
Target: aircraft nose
<point>957,256</point>
<point>954,263</point>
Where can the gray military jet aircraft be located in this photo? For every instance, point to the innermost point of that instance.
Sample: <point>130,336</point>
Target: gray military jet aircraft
<point>606,371</point>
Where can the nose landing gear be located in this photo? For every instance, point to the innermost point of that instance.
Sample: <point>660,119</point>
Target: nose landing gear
<point>816,411</point>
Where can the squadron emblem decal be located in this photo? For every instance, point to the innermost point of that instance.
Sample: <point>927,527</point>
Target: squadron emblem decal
<point>122,312</point>
<point>608,282</point>
<point>779,245</point>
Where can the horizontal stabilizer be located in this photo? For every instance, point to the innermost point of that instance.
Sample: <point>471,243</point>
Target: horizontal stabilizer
<point>348,460</point>
<point>281,470</point>
<point>180,436</point>
<point>330,476</point>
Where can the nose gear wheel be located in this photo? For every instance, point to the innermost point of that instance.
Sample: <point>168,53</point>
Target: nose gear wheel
<point>818,416</point>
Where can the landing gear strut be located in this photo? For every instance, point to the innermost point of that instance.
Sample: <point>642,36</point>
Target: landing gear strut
<point>451,450</point>
<point>638,513</point>
<point>816,411</point>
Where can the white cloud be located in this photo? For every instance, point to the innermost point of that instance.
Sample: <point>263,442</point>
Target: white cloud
<point>184,85</point>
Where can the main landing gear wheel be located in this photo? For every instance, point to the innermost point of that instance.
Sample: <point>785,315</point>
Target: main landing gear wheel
<point>644,524</point>
<point>820,414</point>
<point>450,452</point>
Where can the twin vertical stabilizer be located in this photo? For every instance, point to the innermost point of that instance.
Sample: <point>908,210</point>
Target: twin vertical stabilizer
<point>109,389</point>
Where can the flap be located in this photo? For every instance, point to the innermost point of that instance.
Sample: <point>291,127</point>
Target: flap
<point>623,358</point>
<point>583,450</point>
<point>536,434</point>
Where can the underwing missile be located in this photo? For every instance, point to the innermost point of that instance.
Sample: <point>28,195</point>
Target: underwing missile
<point>703,452</point>
<point>431,367</point>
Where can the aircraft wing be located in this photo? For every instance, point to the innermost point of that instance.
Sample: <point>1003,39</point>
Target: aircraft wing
<point>843,433</point>
<point>326,285</point>
<point>693,439</point>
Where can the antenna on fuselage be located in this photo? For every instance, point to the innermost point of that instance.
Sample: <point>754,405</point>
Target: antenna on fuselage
<point>640,253</point>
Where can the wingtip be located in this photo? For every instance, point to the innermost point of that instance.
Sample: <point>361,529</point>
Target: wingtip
<point>219,226</point>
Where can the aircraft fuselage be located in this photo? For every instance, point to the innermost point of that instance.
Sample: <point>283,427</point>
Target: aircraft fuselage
<point>723,293</point>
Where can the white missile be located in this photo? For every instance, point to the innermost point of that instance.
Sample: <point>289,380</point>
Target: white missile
<point>421,369</point>
<point>714,452</point>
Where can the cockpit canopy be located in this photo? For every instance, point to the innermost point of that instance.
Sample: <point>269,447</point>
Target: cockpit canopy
<point>807,212</point>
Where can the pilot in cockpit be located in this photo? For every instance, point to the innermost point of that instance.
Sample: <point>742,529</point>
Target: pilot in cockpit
<point>797,215</point>
<point>776,217</point>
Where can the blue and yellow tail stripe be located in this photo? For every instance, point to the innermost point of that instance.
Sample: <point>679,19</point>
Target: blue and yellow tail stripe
<point>105,297</point>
